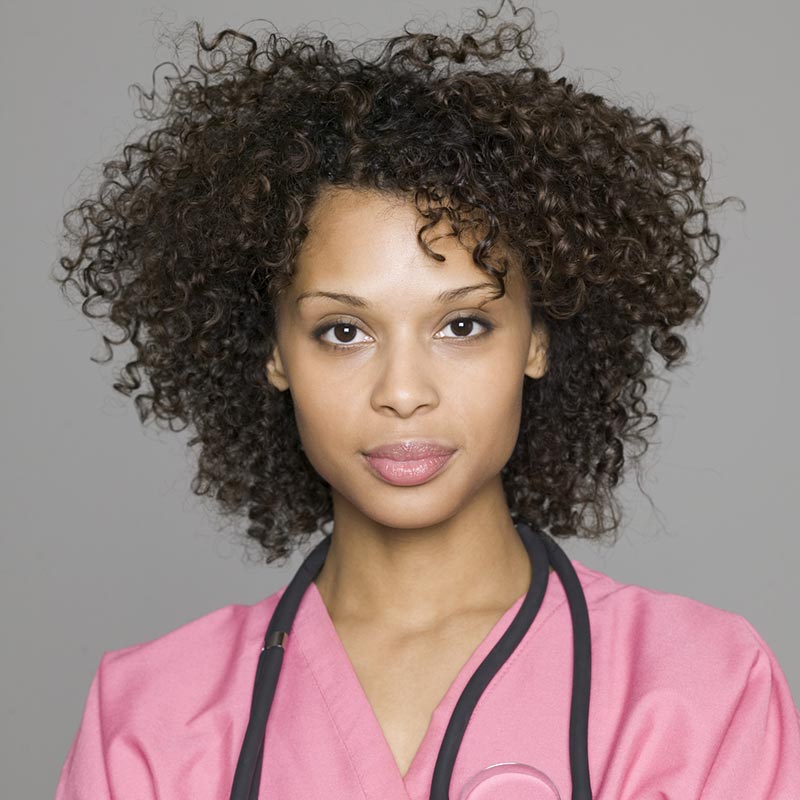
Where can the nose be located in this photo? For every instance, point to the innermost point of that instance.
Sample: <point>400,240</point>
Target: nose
<point>404,379</point>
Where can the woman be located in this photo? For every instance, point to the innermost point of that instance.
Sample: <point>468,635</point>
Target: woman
<point>413,306</point>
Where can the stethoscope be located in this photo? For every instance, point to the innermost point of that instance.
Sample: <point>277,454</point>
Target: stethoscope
<point>543,552</point>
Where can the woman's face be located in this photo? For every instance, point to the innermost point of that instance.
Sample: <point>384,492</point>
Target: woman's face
<point>400,364</point>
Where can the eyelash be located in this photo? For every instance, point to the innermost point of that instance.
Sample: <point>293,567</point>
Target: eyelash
<point>323,329</point>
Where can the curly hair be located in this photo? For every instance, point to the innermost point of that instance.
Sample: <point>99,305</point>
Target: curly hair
<point>193,232</point>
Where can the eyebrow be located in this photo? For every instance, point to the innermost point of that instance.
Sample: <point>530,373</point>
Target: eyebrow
<point>443,297</point>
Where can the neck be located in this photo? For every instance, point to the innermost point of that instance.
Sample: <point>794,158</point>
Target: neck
<point>413,579</point>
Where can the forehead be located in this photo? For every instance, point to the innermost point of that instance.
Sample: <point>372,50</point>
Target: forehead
<point>366,240</point>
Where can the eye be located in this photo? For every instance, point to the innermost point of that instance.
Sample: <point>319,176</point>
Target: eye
<point>345,326</point>
<point>463,325</point>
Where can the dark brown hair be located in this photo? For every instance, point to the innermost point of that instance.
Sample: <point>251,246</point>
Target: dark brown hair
<point>195,227</point>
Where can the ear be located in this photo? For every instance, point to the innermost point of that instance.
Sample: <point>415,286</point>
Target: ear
<point>276,373</point>
<point>536,365</point>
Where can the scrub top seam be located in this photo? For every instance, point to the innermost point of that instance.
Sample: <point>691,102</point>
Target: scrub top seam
<point>101,728</point>
<point>724,737</point>
<point>353,762</point>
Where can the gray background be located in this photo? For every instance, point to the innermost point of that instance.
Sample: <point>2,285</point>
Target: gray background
<point>103,544</point>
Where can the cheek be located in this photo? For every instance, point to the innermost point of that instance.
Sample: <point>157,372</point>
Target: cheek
<point>492,418</point>
<point>494,384</point>
<point>500,415</point>
<point>327,420</point>
<point>316,415</point>
<point>329,428</point>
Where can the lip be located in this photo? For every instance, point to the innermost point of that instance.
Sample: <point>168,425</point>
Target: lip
<point>408,463</point>
<point>410,450</point>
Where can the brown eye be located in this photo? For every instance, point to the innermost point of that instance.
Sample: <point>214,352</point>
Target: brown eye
<point>343,336</point>
<point>464,326</point>
<point>349,331</point>
<point>345,331</point>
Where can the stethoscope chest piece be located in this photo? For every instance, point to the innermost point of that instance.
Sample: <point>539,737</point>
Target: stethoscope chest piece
<point>510,780</point>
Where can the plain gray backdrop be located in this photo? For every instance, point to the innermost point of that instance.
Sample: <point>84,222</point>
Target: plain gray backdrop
<point>103,544</point>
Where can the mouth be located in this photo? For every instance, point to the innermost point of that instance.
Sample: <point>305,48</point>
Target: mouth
<point>408,471</point>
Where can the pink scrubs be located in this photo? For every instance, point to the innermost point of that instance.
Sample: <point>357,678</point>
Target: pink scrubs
<point>688,701</point>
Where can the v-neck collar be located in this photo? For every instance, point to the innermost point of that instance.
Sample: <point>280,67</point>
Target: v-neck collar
<point>353,716</point>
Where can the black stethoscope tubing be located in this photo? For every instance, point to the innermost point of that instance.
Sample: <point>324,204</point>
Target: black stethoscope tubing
<point>543,551</point>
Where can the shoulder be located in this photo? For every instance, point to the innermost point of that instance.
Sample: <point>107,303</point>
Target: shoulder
<point>676,648</point>
<point>162,716</point>
<point>687,692</point>
<point>671,618</point>
<point>230,623</point>
<point>209,654</point>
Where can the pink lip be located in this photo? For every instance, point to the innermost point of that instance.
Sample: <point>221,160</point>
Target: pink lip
<point>407,473</point>
<point>410,450</point>
<point>408,463</point>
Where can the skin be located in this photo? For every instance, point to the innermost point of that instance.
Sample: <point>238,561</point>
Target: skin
<point>421,572</point>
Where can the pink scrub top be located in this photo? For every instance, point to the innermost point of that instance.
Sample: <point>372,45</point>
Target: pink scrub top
<point>687,701</point>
